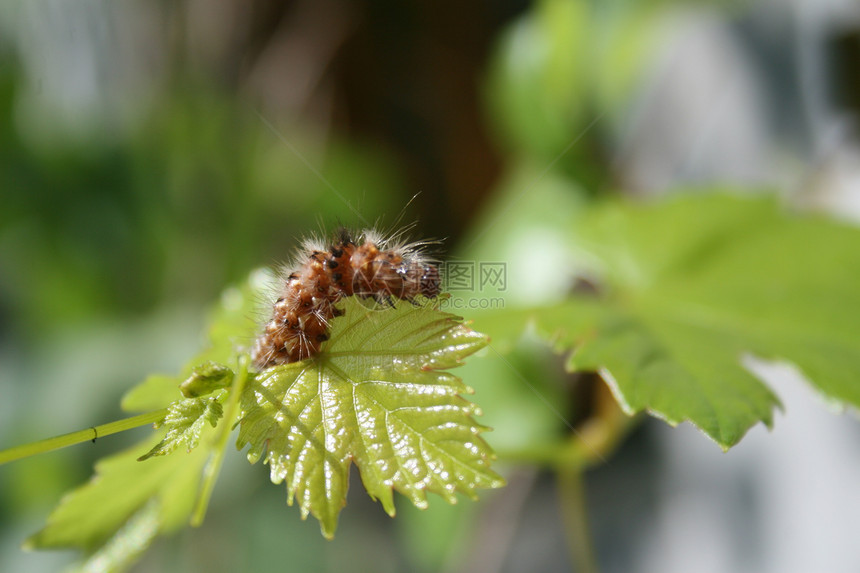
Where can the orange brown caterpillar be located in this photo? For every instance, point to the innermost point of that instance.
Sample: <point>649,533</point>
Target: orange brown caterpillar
<point>367,266</point>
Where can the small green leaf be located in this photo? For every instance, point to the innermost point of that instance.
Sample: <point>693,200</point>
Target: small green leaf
<point>377,395</point>
<point>205,379</point>
<point>184,422</point>
<point>692,284</point>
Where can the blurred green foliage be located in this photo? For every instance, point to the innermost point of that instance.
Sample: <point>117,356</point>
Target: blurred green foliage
<point>185,204</point>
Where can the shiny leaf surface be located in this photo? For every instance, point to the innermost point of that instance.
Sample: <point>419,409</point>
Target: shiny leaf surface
<point>378,395</point>
<point>184,422</point>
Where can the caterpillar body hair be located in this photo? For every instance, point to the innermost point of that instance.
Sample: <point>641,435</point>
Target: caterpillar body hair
<point>367,265</point>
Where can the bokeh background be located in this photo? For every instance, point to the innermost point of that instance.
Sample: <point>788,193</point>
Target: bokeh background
<point>154,153</point>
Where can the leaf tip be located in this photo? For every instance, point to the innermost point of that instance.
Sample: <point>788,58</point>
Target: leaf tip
<point>328,526</point>
<point>157,450</point>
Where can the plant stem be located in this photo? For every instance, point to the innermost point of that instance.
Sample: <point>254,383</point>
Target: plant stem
<point>57,442</point>
<point>575,515</point>
<point>591,443</point>
<point>213,465</point>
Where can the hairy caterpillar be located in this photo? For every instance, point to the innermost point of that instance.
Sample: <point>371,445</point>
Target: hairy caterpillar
<point>367,266</point>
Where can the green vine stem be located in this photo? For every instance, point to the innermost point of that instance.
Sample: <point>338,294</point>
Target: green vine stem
<point>590,444</point>
<point>594,440</point>
<point>571,491</point>
<point>72,438</point>
<point>213,465</point>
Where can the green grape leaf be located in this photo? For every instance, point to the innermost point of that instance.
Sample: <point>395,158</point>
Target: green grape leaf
<point>184,423</point>
<point>687,288</point>
<point>377,395</point>
<point>91,516</point>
